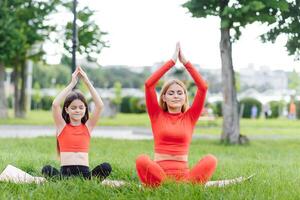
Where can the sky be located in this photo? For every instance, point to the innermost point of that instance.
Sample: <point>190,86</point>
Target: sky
<point>143,32</point>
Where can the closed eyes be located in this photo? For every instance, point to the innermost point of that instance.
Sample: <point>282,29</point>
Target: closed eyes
<point>179,92</point>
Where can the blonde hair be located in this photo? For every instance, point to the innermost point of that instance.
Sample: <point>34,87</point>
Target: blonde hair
<point>164,89</point>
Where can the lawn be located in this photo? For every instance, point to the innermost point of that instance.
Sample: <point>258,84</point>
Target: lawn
<point>274,162</point>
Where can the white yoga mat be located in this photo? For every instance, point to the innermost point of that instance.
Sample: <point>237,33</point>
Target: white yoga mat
<point>15,175</point>
<point>223,183</point>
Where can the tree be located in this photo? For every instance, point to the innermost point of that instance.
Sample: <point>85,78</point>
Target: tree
<point>233,16</point>
<point>294,80</point>
<point>288,23</point>
<point>23,27</point>
<point>90,36</point>
<point>7,50</point>
<point>118,94</point>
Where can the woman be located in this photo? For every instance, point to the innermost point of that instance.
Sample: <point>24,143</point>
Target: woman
<point>172,124</point>
<point>73,130</point>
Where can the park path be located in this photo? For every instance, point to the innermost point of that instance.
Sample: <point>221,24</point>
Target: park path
<point>130,133</point>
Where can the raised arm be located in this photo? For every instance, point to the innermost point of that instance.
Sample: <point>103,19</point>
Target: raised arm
<point>56,109</point>
<point>199,99</point>
<point>151,98</point>
<point>91,123</point>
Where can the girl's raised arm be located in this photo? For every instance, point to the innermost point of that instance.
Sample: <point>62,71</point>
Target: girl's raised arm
<point>56,108</point>
<point>91,123</point>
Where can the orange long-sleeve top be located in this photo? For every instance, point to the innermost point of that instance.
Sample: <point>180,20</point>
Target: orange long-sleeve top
<point>173,132</point>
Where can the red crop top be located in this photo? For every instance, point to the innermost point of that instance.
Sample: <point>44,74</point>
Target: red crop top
<point>173,132</point>
<point>74,139</point>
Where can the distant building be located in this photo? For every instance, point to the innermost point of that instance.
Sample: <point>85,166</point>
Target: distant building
<point>264,79</point>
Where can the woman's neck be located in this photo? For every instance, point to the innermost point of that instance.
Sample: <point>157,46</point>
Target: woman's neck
<point>174,110</point>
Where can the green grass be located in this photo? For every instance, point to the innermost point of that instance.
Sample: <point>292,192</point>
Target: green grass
<point>275,163</point>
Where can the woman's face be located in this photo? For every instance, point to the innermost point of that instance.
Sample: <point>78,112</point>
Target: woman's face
<point>76,110</point>
<point>174,97</point>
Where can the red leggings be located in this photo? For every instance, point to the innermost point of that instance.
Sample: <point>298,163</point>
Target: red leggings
<point>153,173</point>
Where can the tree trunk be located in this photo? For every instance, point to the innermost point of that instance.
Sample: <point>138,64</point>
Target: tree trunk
<point>16,89</point>
<point>17,99</point>
<point>23,101</point>
<point>3,100</point>
<point>231,124</point>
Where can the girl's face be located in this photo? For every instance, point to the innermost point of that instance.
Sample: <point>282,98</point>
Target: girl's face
<point>76,110</point>
<point>174,97</point>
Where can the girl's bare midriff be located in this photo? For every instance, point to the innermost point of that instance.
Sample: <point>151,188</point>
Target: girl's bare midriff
<point>74,158</point>
<point>160,157</point>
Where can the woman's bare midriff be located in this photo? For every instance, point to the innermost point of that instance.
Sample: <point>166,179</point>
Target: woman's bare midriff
<point>161,157</point>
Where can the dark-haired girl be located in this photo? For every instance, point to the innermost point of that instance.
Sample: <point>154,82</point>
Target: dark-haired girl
<point>73,130</point>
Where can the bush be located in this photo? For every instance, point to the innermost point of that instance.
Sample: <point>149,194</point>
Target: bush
<point>10,101</point>
<point>137,105</point>
<point>36,100</point>
<point>217,108</point>
<point>248,103</point>
<point>276,107</point>
<point>46,102</point>
<point>297,109</point>
<point>125,105</point>
<point>132,105</point>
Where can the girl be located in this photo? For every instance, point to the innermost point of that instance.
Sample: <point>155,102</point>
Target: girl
<point>73,131</point>
<point>172,124</point>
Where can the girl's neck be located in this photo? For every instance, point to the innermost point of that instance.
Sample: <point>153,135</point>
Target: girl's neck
<point>75,123</point>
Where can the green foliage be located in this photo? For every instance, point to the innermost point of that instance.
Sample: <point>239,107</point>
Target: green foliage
<point>287,23</point>
<point>23,25</point>
<point>52,75</point>
<point>23,30</point>
<point>294,80</point>
<point>217,108</point>
<point>46,102</point>
<point>132,105</point>
<point>90,36</point>
<point>125,105</point>
<point>137,105</point>
<point>10,101</point>
<point>248,103</point>
<point>237,14</point>
<point>36,97</point>
<point>118,93</point>
<point>276,107</point>
<point>107,77</point>
<point>297,109</point>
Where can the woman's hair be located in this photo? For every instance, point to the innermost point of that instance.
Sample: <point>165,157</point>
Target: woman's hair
<point>69,99</point>
<point>164,89</point>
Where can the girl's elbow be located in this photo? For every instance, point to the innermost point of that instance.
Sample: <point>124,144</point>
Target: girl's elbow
<point>55,105</point>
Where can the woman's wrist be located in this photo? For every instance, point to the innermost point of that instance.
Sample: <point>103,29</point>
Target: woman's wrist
<point>184,62</point>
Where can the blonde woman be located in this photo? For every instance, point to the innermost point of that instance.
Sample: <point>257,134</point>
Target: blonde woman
<point>173,122</point>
